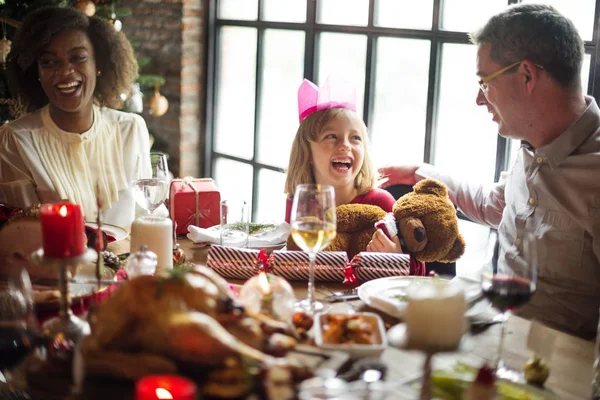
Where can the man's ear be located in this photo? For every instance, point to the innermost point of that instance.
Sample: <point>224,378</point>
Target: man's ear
<point>531,74</point>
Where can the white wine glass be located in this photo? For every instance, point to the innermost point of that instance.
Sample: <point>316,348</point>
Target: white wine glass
<point>150,185</point>
<point>313,221</point>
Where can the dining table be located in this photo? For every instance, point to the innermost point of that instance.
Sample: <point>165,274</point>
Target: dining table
<point>571,362</point>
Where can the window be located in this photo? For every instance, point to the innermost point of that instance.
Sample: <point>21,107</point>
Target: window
<point>413,67</point>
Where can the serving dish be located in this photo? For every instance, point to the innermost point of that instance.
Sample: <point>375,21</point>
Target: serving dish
<point>354,350</point>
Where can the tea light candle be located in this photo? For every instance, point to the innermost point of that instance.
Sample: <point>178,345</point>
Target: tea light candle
<point>63,233</point>
<point>156,234</point>
<point>435,314</point>
<point>266,302</point>
<point>171,387</point>
<point>268,294</point>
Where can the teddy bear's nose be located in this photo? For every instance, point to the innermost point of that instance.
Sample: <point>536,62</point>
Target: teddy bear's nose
<point>419,234</point>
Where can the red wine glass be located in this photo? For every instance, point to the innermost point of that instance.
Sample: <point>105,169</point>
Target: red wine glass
<point>509,287</point>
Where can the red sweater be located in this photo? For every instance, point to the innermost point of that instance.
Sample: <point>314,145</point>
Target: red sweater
<point>376,197</point>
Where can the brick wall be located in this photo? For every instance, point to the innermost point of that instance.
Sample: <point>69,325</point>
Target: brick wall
<point>171,33</point>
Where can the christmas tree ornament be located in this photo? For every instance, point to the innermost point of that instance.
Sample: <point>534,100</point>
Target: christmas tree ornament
<point>4,45</point>
<point>113,18</point>
<point>135,103</point>
<point>87,6</point>
<point>4,50</point>
<point>158,104</point>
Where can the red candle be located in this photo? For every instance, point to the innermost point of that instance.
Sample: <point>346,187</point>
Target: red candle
<point>165,387</point>
<point>63,234</point>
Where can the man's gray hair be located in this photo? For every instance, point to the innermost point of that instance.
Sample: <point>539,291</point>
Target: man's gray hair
<point>538,33</point>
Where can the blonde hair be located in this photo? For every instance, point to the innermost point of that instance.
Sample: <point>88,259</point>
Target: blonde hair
<point>300,167</point>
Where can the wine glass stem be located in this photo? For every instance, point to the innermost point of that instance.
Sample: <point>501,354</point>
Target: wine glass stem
<point>311,280</point>
<point>500,361</point>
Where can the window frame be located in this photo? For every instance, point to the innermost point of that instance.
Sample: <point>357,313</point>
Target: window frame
<point>311,29</point>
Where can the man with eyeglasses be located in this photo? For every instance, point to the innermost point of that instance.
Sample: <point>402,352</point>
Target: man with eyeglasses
<point>529,61</point>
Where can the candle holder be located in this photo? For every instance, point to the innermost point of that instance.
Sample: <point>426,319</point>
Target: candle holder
<point>66,330</point>
<point>434,323</point>
<point>270,295</point>
<point>399,338</point>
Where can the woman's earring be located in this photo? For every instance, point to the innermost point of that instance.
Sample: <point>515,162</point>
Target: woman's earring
<point>98,73</point>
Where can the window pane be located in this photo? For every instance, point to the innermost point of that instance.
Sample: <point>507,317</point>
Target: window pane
<point>271,199</point>
<point>344,55</point>
<point>283,66</point>
<point>468,15</point>
<point>235,88</point>
<point>404,14</point>
<point>585,72</point>
<point>343,12</point>
<point>581,12</point>
<point>284,11</point>
<point>400,101</point>
<point>234,180</point>
<point>465,136</point>
<point>238,9</point>
<point>476,236</point>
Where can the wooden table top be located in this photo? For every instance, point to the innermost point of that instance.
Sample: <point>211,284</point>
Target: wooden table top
<point>570,365</point>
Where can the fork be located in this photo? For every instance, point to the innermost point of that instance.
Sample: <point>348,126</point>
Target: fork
<point>336,296</point>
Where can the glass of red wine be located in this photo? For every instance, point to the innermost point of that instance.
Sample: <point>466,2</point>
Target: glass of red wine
<point>18,327</point>
<point>509,287</point>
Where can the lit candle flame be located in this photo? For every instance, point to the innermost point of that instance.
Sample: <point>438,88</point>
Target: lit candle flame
<point>163,394</point>
<point>263,282</point>
<point>63,211</point>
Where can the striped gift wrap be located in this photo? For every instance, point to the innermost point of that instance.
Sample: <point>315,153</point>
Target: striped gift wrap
<point>368,266</point>
<point>232,262</point>
<point>294,265</point>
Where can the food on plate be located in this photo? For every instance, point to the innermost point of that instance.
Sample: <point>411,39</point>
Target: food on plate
<point>453,383</point>
<point>347,329</point>
<point>536,371</point>
<point>188,319</point>
<point>435,314</point>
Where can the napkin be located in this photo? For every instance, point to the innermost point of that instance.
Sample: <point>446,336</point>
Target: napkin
<point>263,238</point>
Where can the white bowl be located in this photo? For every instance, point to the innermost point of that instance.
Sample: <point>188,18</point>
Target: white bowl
<point>355,350</point>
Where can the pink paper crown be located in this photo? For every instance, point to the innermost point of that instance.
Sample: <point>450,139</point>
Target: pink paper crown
<point>335,93</point>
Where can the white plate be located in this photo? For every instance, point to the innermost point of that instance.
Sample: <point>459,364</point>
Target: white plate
<point>115,231</point>
<point>255,236</point>
<point>380,293</point>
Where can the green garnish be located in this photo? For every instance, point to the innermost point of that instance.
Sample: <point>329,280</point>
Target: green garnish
<point>253,227</point>
<point>399,297</point>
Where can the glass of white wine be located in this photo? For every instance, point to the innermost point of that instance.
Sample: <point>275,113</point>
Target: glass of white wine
<point>151,185</point>
<point>313,221</point>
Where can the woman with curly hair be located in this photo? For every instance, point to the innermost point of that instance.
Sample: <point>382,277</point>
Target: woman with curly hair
<point>70,71</point>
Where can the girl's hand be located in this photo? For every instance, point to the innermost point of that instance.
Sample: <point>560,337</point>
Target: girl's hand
<point>382,244</point>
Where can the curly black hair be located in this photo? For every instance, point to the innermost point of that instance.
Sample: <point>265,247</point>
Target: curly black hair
<point>113,52</point>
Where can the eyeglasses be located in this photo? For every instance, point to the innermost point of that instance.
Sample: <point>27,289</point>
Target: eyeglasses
<point>483,82</point>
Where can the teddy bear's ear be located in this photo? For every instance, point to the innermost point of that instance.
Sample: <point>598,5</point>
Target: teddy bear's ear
<point>457,250</point>
<point>431,186</point>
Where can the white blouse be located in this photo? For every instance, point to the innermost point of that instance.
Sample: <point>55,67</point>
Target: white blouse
<point>41,163</point>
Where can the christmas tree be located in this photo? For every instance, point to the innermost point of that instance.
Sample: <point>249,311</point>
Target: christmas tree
<point>12,13</point>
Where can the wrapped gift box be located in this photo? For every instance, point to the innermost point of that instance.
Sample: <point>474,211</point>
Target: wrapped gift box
<point>194,201</point>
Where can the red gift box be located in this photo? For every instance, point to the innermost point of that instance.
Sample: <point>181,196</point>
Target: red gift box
<point>194,201</point>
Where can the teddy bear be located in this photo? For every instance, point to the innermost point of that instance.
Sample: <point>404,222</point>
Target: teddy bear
<point>424,219</point>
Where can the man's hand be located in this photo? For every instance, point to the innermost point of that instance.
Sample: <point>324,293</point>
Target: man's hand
<point>381,244</point>
<point>399,175</point>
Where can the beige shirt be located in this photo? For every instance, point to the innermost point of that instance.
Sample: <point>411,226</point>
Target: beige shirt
<point>553,195</point>
<point>40,163</point>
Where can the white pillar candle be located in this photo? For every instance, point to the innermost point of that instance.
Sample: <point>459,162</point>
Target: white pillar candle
<point>157,234</point>
<point>435,314</point>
